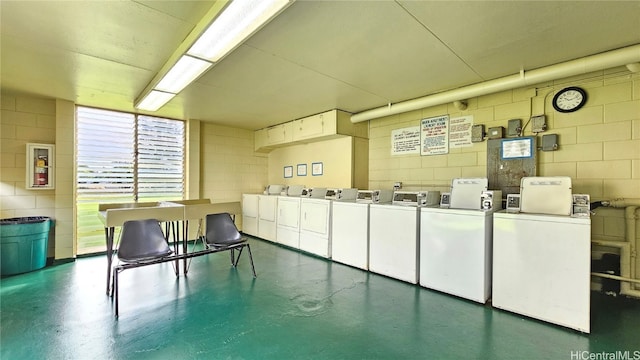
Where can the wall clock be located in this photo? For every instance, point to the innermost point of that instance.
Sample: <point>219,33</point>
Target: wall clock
<point>569,99</point>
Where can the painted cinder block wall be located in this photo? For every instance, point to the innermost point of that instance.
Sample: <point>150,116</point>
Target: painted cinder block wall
<point>599,144</point>
<point>33,120</point>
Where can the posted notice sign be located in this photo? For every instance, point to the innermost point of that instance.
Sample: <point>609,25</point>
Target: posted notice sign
<point>405,141</point>
<point>434,135</point>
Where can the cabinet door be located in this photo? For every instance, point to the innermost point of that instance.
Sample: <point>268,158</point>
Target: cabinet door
<point>279,134</point>
<point>260,139</point>
<point>308,127</point>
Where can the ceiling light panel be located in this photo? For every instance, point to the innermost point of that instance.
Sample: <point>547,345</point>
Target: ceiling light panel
<point>155,100</point>
<point>186,70</point>
<point>236,23</point>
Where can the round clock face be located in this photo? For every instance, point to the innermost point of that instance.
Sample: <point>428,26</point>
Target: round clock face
<point>569,99</point>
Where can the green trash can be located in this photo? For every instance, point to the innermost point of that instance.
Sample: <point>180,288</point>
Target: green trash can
<point>23,244</point>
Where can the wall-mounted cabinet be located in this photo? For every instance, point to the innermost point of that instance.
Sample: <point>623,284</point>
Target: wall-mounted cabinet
<point>268,138</point>
<point>324,126</point>
<point>40,166</point>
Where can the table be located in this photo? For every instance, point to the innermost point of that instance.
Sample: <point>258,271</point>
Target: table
<point>172,212</point>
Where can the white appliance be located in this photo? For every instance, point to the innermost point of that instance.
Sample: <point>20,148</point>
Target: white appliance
<point>350,233</point>
<point>341,194</point>
<point>274,189</point>
<point>542,256</point>
<point>315,226</point>
<point>250,214</point>
<point>288,221</point>
<point>393,241</point>
<point>541,267</point>
<point>374,196</point>
<point>267,211</point>
<point>455,241</point>
<point>295,190</point>
<point>455,251</point>
<point>416,198</point>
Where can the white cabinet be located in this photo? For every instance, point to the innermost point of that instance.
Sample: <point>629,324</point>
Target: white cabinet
<point>327,125</point>
<point>322,126</point>
<point>250,214</point>
<point>267,218</point>
<point>315,223</point>
<point>288,221</point>
<point>40,166</point>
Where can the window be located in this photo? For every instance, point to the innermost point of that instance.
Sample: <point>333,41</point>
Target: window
<point>124,157</point>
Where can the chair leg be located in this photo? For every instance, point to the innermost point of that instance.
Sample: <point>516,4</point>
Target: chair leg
<point>251,260</point>
<point>233,261</point>
<point>116,289</point>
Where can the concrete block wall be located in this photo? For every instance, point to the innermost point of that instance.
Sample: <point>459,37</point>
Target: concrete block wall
<point>599,144</point>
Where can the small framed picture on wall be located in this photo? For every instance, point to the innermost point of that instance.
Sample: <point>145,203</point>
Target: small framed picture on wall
<point>302,170</point>
<point>316,169</point>
<point>288,171</point>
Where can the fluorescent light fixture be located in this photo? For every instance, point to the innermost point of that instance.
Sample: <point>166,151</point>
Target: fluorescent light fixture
<point>237,22</point>
<point>155,100</point>
<point>182,74</point>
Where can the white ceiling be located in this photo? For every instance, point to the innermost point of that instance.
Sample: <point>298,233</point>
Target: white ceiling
<point>315,56</point>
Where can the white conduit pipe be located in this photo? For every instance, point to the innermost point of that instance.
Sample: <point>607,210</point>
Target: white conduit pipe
<point>607,60</point>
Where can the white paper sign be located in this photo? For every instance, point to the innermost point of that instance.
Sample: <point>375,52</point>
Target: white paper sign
<point>434,135</point>
<point>405,141</point>
<point>460,132</point>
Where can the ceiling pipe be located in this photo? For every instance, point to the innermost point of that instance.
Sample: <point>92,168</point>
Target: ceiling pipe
<point>607,60</point>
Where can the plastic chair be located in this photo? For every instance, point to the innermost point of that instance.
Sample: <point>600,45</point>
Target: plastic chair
<point>142,243</point>
<point>222,234</point>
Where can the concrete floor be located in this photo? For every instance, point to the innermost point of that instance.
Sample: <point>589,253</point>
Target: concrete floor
<point>298,307</point>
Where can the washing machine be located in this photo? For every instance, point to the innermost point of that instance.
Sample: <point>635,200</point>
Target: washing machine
<point>350,227</point>
<point>267,219</point>
<point>393,234</point>
<point>542,256</point>
<point>456,240</point>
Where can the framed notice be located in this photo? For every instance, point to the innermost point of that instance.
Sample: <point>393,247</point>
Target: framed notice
<point>434,135</point>
<point>316,169</point>
<point>302,170</point>
<point>288,171</point>
<point>518,148</point>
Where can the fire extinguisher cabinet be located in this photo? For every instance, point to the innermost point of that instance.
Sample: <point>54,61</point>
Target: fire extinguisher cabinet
<point>40,166</point>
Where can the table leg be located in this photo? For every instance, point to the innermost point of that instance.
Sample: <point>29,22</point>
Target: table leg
<point>185,237</point>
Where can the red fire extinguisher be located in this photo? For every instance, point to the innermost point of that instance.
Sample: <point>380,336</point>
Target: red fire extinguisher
<point>41,175</point>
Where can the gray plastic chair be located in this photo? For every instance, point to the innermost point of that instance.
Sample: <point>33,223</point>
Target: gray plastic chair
<point>142,242</point>
<point>222,234</point>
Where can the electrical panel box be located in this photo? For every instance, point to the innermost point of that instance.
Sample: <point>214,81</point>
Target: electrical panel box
<point>550,142</point>
<point>496,132</point>
<point>538,123</point>
<point>514,127</point>
<point>477,133</point>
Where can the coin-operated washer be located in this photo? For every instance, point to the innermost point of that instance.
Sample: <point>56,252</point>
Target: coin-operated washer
<point>542,254</point>
<point>393,237</point>
<point>350,227</point>
<point>456,238</point>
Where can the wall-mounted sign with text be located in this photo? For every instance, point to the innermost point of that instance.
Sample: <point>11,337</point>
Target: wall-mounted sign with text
<point>405,141</point>
<point>434,135</point>
<point>460,132</point>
